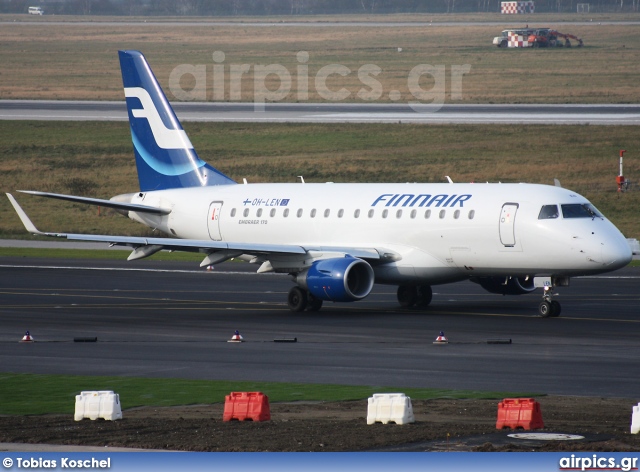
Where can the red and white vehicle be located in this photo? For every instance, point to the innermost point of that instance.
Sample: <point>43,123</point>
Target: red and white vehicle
<point>529,37</point>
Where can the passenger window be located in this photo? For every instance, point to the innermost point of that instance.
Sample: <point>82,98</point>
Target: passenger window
<point>326,213</point>
<point>427,214</point>
<point>356,214</point>
<point>286,212</point>
<point>272,213</point>
<point>340,213</point>
<point>413,213</point>
<point>442,213</point>
<point>299,214</point>
<point>385,213</point>
<point>245,213</point>
<point>548,212</point>
<point>456,214</point>
<point>233,212</point>
<point>313,213</point>
<point>259,212</point>
<point>472,213</point>
<point>371,213</point>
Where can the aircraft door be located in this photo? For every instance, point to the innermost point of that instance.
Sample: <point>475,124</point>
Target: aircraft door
<point>507,224</point>
<point>213,221</point>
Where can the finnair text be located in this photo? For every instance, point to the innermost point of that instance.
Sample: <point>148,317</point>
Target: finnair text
<point>421,200</point>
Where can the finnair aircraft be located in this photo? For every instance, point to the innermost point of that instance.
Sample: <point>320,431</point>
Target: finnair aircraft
<point>337,240</point>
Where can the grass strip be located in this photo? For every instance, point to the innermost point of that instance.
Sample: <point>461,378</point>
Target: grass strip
<point>95,160</point>
<point>35,394</point>
<point>41,253</point>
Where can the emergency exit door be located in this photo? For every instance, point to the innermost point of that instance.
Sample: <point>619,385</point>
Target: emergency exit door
<point>508,224</point>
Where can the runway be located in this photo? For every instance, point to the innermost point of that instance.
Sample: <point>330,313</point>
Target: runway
<point>173,320</point>
<point>59,110</point>
<point>299,24</point>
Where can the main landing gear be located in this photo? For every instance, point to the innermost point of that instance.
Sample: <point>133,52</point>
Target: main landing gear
<point>410,295</point>
<point>301,300</point>
<point>549,308</point>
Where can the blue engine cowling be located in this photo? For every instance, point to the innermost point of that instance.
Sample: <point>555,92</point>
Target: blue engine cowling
<point>343,279</point>
<point>513,285</point>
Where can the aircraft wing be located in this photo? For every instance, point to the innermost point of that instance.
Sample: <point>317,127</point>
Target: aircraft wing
<point>217,251</point>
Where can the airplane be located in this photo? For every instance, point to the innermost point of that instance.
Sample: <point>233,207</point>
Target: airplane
<point>337,240</point>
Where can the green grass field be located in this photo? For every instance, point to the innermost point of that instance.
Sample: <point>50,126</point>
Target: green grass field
<point>79,61</point>
<point>32,394</point>
<point>96,159</point>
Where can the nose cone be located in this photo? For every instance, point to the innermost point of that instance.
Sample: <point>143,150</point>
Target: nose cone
<point>616,253</point>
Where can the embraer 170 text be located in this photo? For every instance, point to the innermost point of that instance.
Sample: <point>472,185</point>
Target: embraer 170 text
<point>337,240</point>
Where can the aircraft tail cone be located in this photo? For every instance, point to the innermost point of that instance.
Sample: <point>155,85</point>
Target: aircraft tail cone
<point>441,339</point>
<point>27,338</point>
<point>236,338</point>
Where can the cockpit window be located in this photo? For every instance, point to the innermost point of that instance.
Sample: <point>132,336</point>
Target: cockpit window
<point>548,212</point>
<point>580,210</point>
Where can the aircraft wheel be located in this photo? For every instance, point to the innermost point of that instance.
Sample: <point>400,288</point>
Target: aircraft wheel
<point>545,309</point>
<point>297,299</point>
<point>407,295</point>
<point>556,308</point>
<point>425,295</point>
<point>313,303</point>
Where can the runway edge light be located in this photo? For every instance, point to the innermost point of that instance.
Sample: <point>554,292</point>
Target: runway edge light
<point>441,339</point>
<point>27,338</point>
<point>236,338</point>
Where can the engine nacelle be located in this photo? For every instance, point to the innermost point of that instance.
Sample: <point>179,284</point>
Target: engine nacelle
<point>513,285</point>
<point>344,279</point>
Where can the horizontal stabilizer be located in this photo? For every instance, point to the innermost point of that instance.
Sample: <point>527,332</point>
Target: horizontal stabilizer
<point>100,202</point>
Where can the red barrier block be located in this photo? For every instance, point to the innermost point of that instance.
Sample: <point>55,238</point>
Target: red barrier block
<point>243,406</point>
<point>517,413</point>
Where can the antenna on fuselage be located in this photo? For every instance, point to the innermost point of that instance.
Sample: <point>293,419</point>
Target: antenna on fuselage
<point>557,183</point>
<point>301,178</point>
<point>449,179</point>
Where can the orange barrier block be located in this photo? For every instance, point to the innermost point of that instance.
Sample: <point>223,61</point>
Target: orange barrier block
<point>517,413</point>
<point>243,406</point>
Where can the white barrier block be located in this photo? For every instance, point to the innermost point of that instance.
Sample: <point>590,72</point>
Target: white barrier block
<point>390,407</point>
<point>98,404</point>
<point>635,420</point>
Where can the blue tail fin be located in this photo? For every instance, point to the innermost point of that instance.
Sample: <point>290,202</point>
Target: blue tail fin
<point>165,157</point>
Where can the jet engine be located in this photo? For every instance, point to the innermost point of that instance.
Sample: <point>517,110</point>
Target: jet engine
<point>344,279</point>
<point>506,285</point>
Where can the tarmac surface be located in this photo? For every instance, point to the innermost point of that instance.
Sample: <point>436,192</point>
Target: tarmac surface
<point>173,320</point>
<point>60,110</point>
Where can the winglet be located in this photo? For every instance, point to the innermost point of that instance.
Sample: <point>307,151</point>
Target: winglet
<point>28,224</point>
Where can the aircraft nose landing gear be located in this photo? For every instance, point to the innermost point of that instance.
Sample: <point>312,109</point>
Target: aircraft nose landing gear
<point>549,308</point>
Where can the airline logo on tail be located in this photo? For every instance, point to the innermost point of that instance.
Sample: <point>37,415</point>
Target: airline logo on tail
<point>165,157</point>
<point>165,138</point>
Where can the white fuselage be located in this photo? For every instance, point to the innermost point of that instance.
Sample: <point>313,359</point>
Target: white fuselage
<point>442,232</point>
